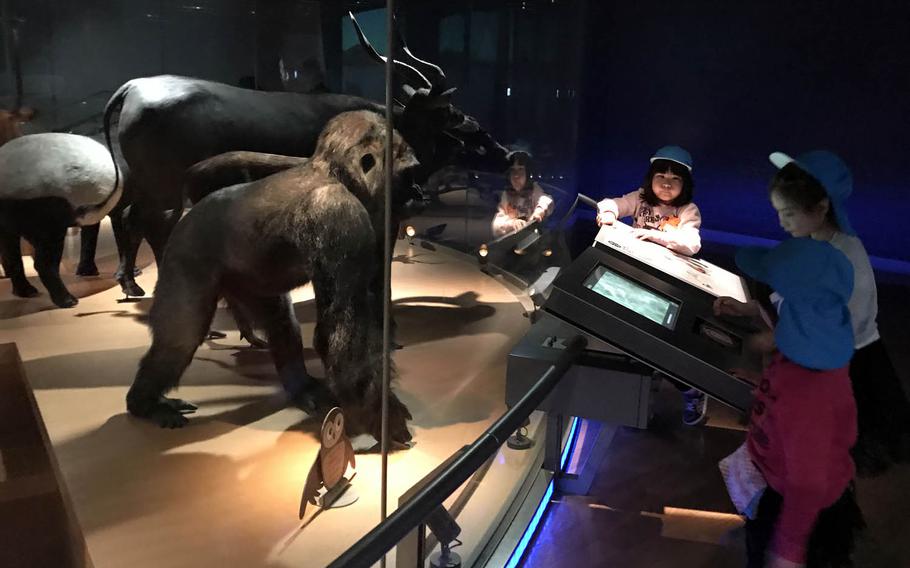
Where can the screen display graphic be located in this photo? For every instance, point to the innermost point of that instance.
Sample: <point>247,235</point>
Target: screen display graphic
<point>633,296</point>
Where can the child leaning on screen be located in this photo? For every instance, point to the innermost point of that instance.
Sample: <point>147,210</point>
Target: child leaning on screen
<point>662,212</point>
<point>661,209</point>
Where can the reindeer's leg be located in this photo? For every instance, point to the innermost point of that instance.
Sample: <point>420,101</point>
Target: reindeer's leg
<point>122,239</point>
<point>245,322</point>
<point>159,226</point>
<point>88,240</point>
<point>134,226</point>
<point>185,301</point>
<point>12,265</point>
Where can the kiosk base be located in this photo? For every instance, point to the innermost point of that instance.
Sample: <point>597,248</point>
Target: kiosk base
<point>606,388</point>
<point>605,385</point>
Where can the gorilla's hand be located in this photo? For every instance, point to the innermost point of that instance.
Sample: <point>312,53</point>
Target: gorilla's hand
<point>311,396</point>
<point>169,412</point>
<point>398,422</point>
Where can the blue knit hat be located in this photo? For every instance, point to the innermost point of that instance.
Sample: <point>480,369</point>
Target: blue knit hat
<point>816,281</point>
<point>832,173</point>
<point>674,154</point>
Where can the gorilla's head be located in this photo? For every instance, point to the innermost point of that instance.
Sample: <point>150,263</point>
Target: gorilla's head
<point>352,148</point>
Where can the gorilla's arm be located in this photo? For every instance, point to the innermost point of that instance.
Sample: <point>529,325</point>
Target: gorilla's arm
<point>348,332</point>
<point>232,168</point>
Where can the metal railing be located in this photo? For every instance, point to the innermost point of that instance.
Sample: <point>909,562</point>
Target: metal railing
<point>369,549</point>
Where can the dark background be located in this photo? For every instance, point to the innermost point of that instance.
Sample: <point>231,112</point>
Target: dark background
<point>733,81</point>
<point>592,88</point>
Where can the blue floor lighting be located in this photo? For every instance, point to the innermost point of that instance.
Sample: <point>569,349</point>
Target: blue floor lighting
<point>519,551</point>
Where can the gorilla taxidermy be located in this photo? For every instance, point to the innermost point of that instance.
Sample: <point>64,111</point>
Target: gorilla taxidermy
<point>320,222</point>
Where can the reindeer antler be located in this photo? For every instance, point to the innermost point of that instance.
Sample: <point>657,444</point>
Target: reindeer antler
<point>431,70</point>
<point>400,67</point>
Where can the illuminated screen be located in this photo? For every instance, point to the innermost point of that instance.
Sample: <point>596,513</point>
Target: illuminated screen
<point>634,296</point>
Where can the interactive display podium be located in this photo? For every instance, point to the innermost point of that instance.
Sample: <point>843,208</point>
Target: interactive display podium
<point>656,306</point>
<point>645,309</point>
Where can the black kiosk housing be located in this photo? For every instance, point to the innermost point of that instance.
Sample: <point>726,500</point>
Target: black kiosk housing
<point>685,341</point>
<point>639,320</point>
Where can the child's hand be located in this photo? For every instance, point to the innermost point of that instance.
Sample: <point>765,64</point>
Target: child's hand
<point>536,216</point>
<point>518,224</point>
<point>762,342</point>
<point>605,218</point>
<point>650,235</point>
<point>727,306</point>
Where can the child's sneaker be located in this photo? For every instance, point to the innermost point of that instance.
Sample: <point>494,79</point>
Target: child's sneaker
<point>696,410</point>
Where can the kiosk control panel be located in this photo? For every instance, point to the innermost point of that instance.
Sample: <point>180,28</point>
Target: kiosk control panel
<point>657,306</point>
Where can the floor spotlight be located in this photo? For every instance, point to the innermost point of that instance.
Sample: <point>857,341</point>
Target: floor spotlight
<point>445,529</point>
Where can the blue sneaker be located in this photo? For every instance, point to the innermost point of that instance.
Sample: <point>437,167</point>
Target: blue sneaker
<point>696,410</point>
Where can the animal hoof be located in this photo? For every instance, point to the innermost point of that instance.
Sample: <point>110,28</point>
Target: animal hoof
<point>27,291</point>
<point>67,301</point>
<point>131,289</point>
<point>118,276</point>
<point>87,270</point>
<point>255,341</point>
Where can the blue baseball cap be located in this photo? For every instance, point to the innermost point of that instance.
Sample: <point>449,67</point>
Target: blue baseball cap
<point>816,281</point>
<point>674,154</point>
<point>832,173</point>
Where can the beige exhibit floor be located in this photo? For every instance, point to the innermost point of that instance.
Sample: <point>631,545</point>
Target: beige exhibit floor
<point>225,489</point>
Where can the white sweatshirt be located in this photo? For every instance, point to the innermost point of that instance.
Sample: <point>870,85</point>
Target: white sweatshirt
<point>516,207</point>
<point>674,227</point>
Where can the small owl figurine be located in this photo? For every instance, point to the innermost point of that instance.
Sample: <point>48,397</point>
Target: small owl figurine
<point>332,461</point>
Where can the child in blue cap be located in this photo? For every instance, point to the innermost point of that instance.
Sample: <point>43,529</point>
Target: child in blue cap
<point>662,211</point>
<point>809,195</point>
<point>803,419</point>
<point>523,201</point>
<point>662,208</point>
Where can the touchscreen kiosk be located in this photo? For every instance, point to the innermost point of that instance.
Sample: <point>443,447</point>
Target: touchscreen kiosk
<point>629,294</point>
<point>657,307</point>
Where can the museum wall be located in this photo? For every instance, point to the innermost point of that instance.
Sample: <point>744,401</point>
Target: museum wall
<point>75,54</point>
<point>733,81</point>
<point>591,88</point>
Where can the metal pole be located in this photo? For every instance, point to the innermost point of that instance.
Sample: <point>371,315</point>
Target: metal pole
<point>387,264</point>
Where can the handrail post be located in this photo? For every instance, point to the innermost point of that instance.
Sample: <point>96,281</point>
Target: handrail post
<point>372,546</point>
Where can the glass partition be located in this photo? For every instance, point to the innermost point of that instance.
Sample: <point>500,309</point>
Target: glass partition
<point>226,487</point>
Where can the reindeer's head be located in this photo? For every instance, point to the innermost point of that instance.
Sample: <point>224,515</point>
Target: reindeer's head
<point>439,132</point>
<point>10,121</point>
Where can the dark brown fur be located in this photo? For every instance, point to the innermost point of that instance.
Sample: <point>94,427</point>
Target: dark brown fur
<point>232,168</point>
<point>320,222</point>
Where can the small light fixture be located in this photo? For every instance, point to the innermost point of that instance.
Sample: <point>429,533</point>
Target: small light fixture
<point>483,251</point>
<point>548,252</point>
<point>410,231</point>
